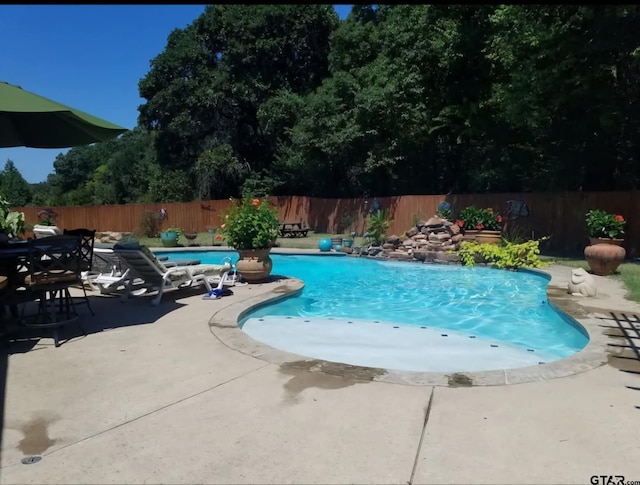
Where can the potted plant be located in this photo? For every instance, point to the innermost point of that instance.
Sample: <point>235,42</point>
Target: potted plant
<point>468,219</point>
<point>46,217</point>
<point>490,227</point>
<point>251,227</point>
<point>169,237</point>
<point>605,231</point>
<point>348,242</point>
<point>474,221</point>
<point>347,222</point>
<point>46,223</point>
<point>190,237</point>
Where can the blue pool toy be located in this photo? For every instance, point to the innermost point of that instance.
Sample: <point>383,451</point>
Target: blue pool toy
<point>214,294</point>
<point>324,244</point>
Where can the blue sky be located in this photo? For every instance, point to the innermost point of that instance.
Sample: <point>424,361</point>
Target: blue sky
<point>90,57</point>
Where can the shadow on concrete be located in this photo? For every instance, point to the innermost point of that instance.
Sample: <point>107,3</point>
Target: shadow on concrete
<point>624,350</point>
<point>111,311</point>
<point>4,363</point>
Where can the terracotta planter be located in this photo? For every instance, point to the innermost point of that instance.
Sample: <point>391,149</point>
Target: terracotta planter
<point>604,255</point>
<point>254,265</point>
<point>606,240</point>
<point>489,237</point>
<point>470,235</point>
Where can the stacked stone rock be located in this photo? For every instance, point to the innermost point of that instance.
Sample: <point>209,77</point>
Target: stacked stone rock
<point>432,240</point>
<point>110,237</point>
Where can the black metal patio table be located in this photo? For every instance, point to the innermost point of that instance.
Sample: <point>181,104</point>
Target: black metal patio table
<point>13,265</point>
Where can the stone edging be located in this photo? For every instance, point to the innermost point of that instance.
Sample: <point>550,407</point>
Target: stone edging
<point>224,325</point>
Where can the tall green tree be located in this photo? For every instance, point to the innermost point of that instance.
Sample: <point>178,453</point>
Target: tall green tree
<point>566,83</point>
<point>125,175</point>
<point>16,190</point>
<point>401,111</point>
<point>119,171</point>
<point>206,88</point>
<point>396,99</point>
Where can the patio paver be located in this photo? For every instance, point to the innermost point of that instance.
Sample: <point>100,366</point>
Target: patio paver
<point>261,428</point>
<point>555,431</point>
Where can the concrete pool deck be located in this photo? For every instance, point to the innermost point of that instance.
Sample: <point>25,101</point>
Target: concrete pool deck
<point>151,395</point>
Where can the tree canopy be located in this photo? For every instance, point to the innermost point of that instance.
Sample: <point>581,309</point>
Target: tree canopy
<point>395,99</point>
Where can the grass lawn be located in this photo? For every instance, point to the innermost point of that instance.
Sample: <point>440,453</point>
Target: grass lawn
<point>206,239</point>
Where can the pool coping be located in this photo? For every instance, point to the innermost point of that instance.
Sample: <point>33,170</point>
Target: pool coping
<point>224,325</point>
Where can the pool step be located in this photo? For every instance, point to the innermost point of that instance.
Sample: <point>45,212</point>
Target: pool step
<point>388,345</point>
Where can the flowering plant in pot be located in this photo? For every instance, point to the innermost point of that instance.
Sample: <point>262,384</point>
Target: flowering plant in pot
<point>490,221</point>
<point>469,218</point>
<point>475,219</point>
<point>605,230</point>
<point>485,222</point>
<point>601,224</point>
<point>251,227</point>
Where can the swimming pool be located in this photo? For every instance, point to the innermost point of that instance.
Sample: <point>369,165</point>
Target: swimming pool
<point>488,318</point>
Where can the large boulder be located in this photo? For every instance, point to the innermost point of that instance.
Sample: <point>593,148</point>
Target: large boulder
<point>434,221</point>
<point>412,232</point>
<point>108,237</point>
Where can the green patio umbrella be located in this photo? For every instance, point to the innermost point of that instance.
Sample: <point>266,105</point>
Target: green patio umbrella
<point>29,120</point>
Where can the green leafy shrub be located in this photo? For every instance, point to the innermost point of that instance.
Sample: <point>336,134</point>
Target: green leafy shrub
<point>603,224</point>
<point>11,223</point>
<point>250,224</point>
<point>504,256</point>
<point>347,222</point>
<point>377,225</point>
<point>150,223</point>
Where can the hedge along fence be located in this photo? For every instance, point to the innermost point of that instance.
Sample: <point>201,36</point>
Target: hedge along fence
<point>557,215</point>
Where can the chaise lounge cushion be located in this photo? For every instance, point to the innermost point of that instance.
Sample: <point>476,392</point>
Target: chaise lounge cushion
<point>201,269</point>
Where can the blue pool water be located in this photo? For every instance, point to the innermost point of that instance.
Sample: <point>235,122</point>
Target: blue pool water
<point>504,306</point>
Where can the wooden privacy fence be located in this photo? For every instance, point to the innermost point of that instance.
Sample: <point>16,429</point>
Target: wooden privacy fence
<point>557,215</point>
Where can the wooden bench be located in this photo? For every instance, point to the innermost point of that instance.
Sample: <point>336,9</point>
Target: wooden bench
<point>293,229</point>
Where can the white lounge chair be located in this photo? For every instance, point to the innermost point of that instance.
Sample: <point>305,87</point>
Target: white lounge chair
<point>108,283</point>
<point>157,276</point>
<point>111,274</point>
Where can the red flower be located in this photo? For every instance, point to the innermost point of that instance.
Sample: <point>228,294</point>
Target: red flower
<point>479,227</point>
<point>218,237</point>
<point>459,223</point>
<point>255,202</point>
<point>499,218</point>
<point>619,218</point>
